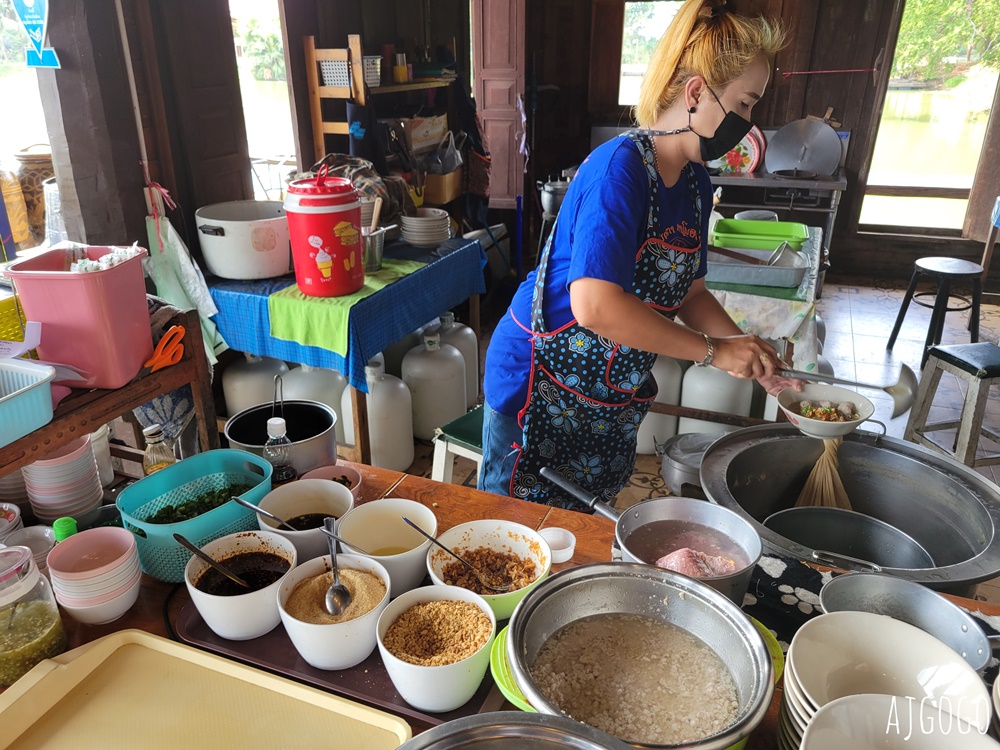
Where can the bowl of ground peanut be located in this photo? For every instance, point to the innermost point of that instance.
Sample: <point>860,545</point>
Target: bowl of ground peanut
<point>506,555</point>
<point>435,643</point>
<point>333,641</point>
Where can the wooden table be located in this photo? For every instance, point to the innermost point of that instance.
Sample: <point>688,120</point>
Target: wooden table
<point>452,504</point>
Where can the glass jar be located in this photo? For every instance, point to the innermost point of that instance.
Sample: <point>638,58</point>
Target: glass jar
<point>158,454</point>
<point>30,627</point>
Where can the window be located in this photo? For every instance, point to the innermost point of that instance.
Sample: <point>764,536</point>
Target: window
<point>645,22</point>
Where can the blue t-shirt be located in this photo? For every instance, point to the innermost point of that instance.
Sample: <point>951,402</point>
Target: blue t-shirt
<point>601,226</point>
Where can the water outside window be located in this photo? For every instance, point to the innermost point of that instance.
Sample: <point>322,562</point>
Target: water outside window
<point>260,57</point>
<point>942,84</point>
<point>645,23</point>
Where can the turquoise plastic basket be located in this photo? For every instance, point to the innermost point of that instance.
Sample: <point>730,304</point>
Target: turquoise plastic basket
<point>159,554</point>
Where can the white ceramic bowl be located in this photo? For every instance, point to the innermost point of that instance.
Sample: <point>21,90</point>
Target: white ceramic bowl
<point>107,611</point>
<point>817,428</point>
<point>502,536</point>
<point>886,722</point>
<point>97,586</point>
<point>244,616</point>
<point>435,689</point>
<point>338,471</point>
<point>92,553</point>
<point>336,645</point>
<point>849,653</point>
<point>305,496</point>
<point>378,525</point>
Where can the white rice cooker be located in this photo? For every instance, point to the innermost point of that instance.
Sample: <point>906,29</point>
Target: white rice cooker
<point>245,239</point>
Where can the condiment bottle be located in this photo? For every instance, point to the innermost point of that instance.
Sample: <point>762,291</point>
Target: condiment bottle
<point>158,454</point>
<point>63,528</point>
<point>30,627</point>
<point>276,452</point>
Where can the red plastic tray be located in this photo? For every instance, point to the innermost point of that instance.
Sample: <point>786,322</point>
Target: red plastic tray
<point>368,682</point>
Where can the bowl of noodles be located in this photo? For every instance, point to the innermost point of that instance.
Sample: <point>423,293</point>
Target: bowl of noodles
<point>825,411</point>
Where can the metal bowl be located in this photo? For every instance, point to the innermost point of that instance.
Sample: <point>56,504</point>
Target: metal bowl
<point>311,428</point>
<point>513,730</point>
<point>632,588</point>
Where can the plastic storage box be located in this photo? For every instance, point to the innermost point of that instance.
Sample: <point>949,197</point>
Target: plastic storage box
<point>759,235</point>
<point>159,554</point>
<point>25,398</point>
<point>97,322</point>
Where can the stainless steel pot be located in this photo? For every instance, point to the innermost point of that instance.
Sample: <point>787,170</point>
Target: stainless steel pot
<point>836,534</point>
<point>311,428</point>
<point>552,193</point>
<point>945,506</point>
<point>630,588</point>
<point>680,464</point>
<point>912,603</point>
<point>732,586</point>
<point>513,730</point>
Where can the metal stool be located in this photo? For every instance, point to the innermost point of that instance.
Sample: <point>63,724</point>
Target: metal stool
<point>979,366</point>
<point>460,437</point>
<point>946,271</point>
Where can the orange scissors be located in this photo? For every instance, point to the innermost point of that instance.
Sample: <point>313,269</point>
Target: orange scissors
<point>168,352</point>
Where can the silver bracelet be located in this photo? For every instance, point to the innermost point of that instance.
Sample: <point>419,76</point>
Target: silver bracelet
<point>711,352</point>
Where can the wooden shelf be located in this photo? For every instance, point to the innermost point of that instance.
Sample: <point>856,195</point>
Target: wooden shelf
<point>437,83</point>
<point>83,411</point>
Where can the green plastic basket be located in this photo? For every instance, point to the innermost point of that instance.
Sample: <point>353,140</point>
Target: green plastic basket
<point>159,554</point>
<point>759,235</point>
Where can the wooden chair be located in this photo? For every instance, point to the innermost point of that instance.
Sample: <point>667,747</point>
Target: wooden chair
<point>352,56</point>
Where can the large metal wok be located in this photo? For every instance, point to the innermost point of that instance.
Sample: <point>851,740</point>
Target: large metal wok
<point>952,511</point>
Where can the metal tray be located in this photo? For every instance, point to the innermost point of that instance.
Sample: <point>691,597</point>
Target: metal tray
<point>725,270</point>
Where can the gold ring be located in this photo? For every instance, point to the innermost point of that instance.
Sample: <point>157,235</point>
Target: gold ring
<point>764,358</point>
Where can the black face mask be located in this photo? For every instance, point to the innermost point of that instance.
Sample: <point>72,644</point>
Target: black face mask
<point>730,132</point>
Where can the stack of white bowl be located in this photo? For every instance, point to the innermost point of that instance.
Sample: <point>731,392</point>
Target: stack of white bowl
<point>429,228</point>
<point>66,483</point>
<point>10,521</point>
<point>996,707</point>
<point>12,490</point>
<point>95,574</point>
<point>844,654</point>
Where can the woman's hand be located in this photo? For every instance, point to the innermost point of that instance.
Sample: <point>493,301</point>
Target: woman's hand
<point>745,356</point>
<point>776,384</point>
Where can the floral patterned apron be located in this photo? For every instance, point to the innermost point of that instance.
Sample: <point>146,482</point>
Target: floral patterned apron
<point>587,394</point>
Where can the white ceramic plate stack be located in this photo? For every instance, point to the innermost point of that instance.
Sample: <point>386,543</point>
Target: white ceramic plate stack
<point>95,574</point>
<point>10,521</point>
<point>12,490</point>
<point>858,653</point>
<point>39,539</point>
<point>67,483</point>
<point>429,228</point>
<point>996,707</point>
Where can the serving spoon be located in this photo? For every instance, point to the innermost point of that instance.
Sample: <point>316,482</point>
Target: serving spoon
<point>265,513</point>
<point>345,542</point>
<point>204,556</point>
<point>338,598</point>
<point>469,565</point>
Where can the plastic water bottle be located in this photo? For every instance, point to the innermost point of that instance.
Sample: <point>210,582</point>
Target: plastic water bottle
<point>276,452</point>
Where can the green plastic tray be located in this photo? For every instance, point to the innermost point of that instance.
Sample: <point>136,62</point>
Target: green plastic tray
<point>759,235</point>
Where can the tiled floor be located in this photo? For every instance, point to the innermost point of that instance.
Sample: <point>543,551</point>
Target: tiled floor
<point>859,315</point>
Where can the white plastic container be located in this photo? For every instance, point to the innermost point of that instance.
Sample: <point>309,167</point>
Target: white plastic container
<point>317,384</point>
<point>99,438</point>
<point>464,339</point>
<point>390,419</point>
<point>251,382</point>
<point>393,354</point>
<point>714,390</point>
<point>658,427</point>
<point>336,645</point>
<point>435,375</point>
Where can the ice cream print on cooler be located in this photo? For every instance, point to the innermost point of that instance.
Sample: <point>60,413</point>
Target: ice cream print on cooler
<point>324,261</point>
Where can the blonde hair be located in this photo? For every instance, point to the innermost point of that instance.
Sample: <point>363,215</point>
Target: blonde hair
<point>706,40</point>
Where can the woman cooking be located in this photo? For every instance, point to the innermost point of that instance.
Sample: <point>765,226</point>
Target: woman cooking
<point>567,371</point>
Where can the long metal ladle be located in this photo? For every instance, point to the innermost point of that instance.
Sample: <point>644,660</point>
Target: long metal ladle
<point>903,391</point>
<point>204,556</point>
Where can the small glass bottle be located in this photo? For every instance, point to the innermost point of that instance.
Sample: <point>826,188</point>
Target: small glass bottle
<point>276,452</point>
<point>30,627</point>
<point>158,454</point>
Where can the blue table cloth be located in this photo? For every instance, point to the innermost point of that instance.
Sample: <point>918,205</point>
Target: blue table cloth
<point>453,274</point>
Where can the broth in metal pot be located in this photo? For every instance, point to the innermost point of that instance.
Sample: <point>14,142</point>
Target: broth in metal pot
<point>689,548</point>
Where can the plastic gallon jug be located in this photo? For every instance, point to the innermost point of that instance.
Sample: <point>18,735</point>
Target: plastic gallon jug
<point>250,382</point>
<point>658,427</point>
<point>714,390</point>
<point>327,386</point>
<point>324,227</point>
<point>394,353</point>
<point>435,375</point>
<point>464,339</point>
<point>390,419</point>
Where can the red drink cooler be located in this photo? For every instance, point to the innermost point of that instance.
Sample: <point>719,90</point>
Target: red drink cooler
<point>324,226</point>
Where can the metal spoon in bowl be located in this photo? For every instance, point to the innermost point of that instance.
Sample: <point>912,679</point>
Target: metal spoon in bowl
<point>265,513</point>
<point>338,598</point>
<point>469,565</point>
<point>214,563</point>
<point>334,537</point>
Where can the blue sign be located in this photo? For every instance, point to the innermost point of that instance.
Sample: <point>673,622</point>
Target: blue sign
<point>34,15</point>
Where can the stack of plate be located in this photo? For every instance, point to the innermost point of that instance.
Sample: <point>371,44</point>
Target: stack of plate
<point>429,228</point>
<point>12,490</point>
<point>858,653</point>
<point>67,483</point>
<point>996,707</point>
<point>39,539</point>
<point>10,521</point>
